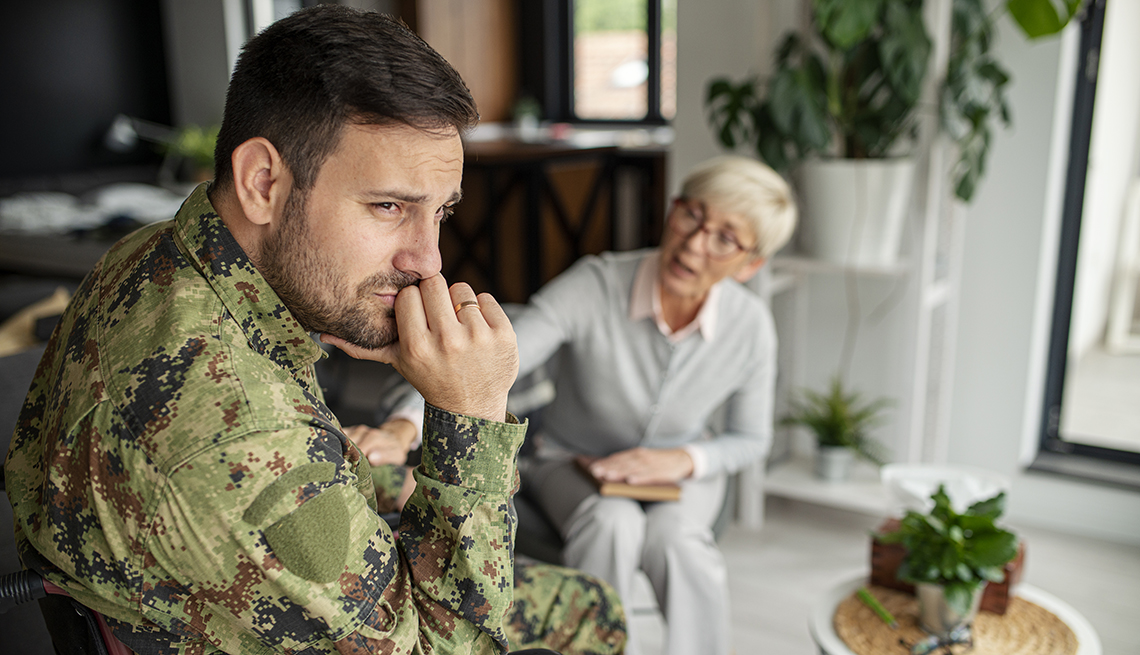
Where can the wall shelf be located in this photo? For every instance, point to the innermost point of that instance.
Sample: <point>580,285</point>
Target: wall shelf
<point>862,492</point>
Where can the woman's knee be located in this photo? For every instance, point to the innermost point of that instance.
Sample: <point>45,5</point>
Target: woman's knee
<point>610,519</point>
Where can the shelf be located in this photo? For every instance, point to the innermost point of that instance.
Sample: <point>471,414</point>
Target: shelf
<point>863,492</point>
<point>801,264</point>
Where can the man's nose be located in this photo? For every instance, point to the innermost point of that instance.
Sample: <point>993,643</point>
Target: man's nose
<point>418,253</point>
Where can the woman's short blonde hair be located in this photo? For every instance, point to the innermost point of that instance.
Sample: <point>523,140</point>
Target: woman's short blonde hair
<point>745,186</point>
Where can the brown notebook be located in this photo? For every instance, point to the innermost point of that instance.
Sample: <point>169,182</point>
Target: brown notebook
<point>652,492</point>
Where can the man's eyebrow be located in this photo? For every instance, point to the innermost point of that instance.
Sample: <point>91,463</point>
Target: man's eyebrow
<point>415,199</point>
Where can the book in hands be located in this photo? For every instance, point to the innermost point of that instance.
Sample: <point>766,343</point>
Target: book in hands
<point>648,492</point>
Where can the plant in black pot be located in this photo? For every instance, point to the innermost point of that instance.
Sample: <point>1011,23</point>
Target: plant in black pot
<point>950,557</point>
<point>840,421</point>
<point>839,109</point>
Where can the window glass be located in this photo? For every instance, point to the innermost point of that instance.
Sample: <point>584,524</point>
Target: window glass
<point>611,62</point>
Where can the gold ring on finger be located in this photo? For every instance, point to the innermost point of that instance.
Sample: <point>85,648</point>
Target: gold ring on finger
<point>466,303</point>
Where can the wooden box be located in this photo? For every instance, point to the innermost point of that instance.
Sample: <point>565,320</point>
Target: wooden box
<point>886,558</point>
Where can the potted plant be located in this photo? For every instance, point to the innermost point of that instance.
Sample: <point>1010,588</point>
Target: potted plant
<point>840,109</point>
<point>849,90</point>
<point>950,557</point>
<point>839,420</point>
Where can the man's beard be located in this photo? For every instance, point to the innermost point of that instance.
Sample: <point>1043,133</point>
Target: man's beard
<point>307,282</point>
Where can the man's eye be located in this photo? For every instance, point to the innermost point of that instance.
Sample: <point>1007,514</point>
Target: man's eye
<point>385,206</point>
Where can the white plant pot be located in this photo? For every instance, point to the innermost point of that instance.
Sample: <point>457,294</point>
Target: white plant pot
<point>853,210</point>
<point>935,615</point>
<point>833,463</point>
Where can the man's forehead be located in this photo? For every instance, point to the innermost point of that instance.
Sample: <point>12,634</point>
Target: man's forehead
<point>396,160</point>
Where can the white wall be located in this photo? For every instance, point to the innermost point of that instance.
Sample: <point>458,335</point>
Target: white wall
<point>1006,299</point>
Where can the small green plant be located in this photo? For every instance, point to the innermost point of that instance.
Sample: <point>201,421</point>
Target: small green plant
<point>196,145</point>
<point>960,552</point>
<point>840,418</point>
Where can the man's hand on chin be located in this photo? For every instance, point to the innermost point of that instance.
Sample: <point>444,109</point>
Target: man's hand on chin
<point>456,349</point>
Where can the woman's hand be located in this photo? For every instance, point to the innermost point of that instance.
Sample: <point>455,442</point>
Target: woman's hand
<point>644,466</point>
<point>387,444</point>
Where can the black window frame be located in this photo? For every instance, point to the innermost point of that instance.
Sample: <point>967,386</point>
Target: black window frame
<point>546,48</point>
<point>1055,453</point>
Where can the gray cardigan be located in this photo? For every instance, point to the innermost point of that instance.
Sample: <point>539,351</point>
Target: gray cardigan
<point>620,383</point>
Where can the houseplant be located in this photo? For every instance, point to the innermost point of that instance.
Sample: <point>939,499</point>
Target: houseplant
<point>850,88</point>
<point>839,420</point>
<point>950,557</point>
<point>839,109</point>
<point>973,93</point>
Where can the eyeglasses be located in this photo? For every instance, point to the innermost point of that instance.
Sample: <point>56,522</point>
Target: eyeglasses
<point>688,218</point>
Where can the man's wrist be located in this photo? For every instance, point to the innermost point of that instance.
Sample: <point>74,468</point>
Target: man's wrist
<point>469,451</point>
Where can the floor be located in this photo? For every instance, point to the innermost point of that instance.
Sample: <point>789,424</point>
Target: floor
<point>803,549</point>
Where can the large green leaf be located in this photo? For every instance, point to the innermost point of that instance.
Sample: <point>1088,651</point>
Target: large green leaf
<point>991,508</point>
<point>844,23</point>
<point>1038,18</point>
<point>994,549</point>
<point>797,101</point>
<point>905,50</point>
<point>729,105</point>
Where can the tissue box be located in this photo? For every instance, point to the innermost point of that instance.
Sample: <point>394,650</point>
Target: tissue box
<point>886,558</point>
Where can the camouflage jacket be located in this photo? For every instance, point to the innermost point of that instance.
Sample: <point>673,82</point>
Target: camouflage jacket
<point>175,468</point>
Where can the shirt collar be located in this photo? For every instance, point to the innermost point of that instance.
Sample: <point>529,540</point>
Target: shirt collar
<point>254,305</point>
<point>645,302</point>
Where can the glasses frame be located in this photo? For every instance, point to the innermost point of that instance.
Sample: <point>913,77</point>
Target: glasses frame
<point>687,205</point>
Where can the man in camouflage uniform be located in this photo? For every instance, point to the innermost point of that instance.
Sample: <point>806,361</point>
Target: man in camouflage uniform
<point>554,607</point>
<point>175,466</point>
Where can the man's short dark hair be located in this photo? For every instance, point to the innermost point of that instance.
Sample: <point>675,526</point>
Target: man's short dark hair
<point>305,77</point>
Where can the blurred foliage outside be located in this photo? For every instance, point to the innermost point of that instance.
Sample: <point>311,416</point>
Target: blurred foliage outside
<point>619,15</point>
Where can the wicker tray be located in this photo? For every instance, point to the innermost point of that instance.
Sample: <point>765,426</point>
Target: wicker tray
<point>1025,629</point>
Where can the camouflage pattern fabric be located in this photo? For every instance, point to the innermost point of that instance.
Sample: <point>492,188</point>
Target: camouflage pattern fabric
<point>555,607</point>
<point>175,468</point>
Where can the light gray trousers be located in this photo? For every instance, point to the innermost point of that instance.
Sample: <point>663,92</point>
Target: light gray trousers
<point>672,542</point>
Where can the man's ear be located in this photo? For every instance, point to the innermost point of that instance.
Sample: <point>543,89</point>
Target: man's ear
<point>261,180</point>
<point>745,274</point>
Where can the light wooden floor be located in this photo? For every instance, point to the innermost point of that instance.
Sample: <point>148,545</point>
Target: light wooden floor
<point>777,574</point>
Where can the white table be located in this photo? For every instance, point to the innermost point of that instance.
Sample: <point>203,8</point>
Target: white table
<point>823,631</point>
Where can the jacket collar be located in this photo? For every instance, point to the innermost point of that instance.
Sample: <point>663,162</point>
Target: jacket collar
<point>268,325</point>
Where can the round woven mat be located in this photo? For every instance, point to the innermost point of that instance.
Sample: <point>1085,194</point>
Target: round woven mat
<point>1024,629</point>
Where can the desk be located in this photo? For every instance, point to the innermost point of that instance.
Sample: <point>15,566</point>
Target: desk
<point>823,632</point>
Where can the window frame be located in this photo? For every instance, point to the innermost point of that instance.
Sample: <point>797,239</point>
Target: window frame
<point>1053,448</point>
<point>547,61</point>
